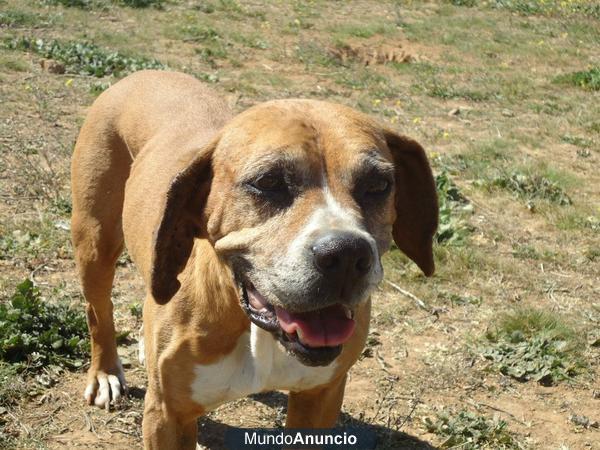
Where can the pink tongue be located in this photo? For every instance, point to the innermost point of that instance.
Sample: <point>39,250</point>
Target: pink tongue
<point>326,327</point>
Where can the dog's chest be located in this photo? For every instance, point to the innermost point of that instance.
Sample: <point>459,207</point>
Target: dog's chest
<point>258,363</point>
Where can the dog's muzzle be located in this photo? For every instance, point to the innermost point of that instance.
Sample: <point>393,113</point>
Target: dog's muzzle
<point>314,337</point>
<point>315,329</point>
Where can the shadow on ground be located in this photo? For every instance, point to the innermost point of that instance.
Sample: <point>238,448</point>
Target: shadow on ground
<point>211,434</point>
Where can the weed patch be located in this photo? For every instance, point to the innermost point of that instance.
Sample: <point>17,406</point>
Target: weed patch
<point>460,299</point>
<point>445,92</point>
<point>14,18</point>
<point>35,333</point>
<point>530,344</point>
<point>231,8</point>
<point>84,58</point>
<point>46,238</point>
<point>586,79</point>
<point>530,186</point>
<point>452,228</point>
<point>578,141</point>
<point>584,8</point>
<point>313,53</point>
<point>359,79</point>
<point>469,431</point>
<point>362,30</point>
<point>104,4</point>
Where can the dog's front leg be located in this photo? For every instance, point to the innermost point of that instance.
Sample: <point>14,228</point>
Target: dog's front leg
<point>163,429</point>
<point>316,408</point>
<point>96,254</point>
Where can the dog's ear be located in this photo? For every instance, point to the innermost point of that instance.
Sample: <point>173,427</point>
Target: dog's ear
<point>181,221</point>
<point>415,201</point>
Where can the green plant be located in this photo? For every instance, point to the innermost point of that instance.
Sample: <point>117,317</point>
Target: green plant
<point>82,4</point>
<point>35,333</point>
<point>461,299</point>
<point>584,8</point>
<point>13,18</point>
<point>578,141</point>
<point>467,3</point>
<point>470,431</point>
<point>142,3</point>
<point>452,228</point>
<point>445,92</point>
<point>136,310</point>
<point>84,58</point>
<point>313,53</point>
<point>531,344</point>
<point>531,186</point>
<point>362,30</point>
<point>231,8</point>
<point>586,79</point>
<point>91,4</point>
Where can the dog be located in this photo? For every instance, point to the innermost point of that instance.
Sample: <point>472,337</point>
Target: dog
<point>259,238</point>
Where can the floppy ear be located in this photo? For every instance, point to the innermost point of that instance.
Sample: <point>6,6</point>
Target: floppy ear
<point>181,221</point>
<point>415,201</point>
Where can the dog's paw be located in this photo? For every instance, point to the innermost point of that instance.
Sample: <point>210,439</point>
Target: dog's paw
<point>105,387</point>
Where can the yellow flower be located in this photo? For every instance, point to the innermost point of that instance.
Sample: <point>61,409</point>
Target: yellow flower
<point>69,82</point>
<point>416,120</point>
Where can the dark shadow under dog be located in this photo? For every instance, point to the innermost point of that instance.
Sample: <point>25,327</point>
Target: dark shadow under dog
<point>211,434</point>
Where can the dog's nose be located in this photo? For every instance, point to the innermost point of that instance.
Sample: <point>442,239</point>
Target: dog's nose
<point>342,257</point>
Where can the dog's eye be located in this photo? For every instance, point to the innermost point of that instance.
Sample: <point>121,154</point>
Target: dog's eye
<point>270,183</point>
<point>373,189</point>
<point>377,186</point>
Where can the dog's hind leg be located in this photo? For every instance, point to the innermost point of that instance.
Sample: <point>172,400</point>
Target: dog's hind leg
<point>100,168</point>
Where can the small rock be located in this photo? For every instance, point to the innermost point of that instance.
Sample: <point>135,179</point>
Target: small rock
<point>454,112</point>
<point>51,66</point>
<point>62,225</point>
<point>583,421</point>
<point>508,113</point>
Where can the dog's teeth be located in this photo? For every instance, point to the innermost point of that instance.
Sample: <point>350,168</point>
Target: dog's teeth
<point>300,336</point>
<point>348,312</point>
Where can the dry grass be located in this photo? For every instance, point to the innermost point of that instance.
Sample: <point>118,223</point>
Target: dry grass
<point>517,143</point>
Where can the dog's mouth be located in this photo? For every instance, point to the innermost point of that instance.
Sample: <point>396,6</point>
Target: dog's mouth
<point>314,337</point>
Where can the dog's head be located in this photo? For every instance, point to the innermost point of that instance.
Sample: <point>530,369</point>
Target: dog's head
<point>301,198</point>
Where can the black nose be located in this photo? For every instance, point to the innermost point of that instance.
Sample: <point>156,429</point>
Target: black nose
<point>342,257</point>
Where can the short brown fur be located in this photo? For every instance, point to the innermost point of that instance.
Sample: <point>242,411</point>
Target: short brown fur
<point>155,167</point>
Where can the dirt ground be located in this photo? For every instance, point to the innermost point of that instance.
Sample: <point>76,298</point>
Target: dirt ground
<point>478,86</point>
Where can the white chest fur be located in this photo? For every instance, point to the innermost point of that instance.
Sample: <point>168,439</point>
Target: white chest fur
<point>258,363</point>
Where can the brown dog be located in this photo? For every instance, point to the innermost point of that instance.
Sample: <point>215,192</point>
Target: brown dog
<point>258,236</point>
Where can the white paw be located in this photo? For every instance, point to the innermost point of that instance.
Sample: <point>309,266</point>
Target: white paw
<point>105,388</point>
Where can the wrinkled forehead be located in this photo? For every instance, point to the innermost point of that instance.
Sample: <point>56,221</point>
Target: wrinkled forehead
<point>314,136</point>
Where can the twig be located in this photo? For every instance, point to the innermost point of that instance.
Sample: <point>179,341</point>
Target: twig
<point>34,271</point>
<point>21,424</point>
<point>90,424</point>
<point>476,404</point>
<point>416,403</point>
<point>381,361</point>
<point>420,303</point>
